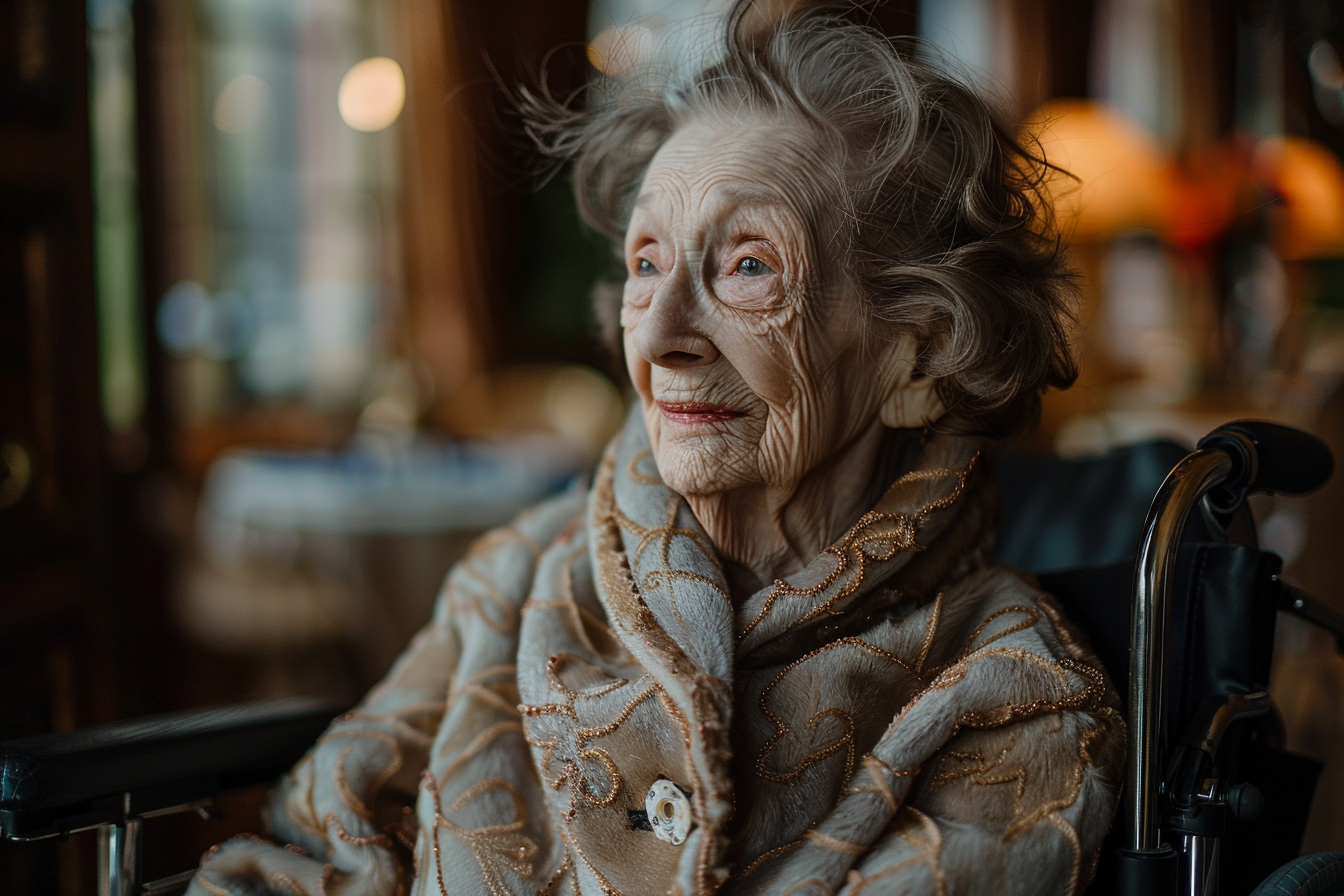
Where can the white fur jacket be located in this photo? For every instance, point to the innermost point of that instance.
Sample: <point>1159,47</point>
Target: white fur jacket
<point>590,712</point>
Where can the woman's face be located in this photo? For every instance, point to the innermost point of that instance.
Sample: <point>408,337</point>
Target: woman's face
<point>748,373</point>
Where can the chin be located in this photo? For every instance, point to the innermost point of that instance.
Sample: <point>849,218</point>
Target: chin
<point>698,470</point>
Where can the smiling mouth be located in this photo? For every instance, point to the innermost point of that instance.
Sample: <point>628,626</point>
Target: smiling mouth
<point>692,412</point>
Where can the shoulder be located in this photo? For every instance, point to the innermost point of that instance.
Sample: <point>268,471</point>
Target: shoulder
<point>1004,607</point>
<point>1034,760</point>
<point>1017,640</point>
<point>1002,653</point>
<point>1021,701</point>
<point>499,566</point>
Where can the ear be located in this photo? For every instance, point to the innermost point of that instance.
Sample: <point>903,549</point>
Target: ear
<point>911,401</point>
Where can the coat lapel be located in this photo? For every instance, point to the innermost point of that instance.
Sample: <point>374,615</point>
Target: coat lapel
<point>667,601</point>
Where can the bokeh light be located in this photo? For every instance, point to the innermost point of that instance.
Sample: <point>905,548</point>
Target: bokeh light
<point>1113,174</point>
<point>185,317</point>
<point>372,94</point>
<point>241,106</point>
<point>618,50</point>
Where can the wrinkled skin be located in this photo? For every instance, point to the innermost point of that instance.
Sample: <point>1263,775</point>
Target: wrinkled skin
<point>768,397</point>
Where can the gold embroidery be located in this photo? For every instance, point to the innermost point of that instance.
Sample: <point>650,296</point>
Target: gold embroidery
<point>663,537</point>
<point>632,469</point>
<point>504,536</point>
<point>877,772</point>
<point>289,883</point>
<point>889,533</point>
<point>1052,807</point>
<point>573,754</point>
<point>813,884</point>
<point>550,886</point>
<point>954,673</point>
<point>588,693</point>
<point>438,856</point>
<point>478,743</point>
<point>506,703</point>
<point>973,763</point>
<point>307,822</point>
<point>703,696</point>
<point>930,846</point>
<point>399,719</point>
<point>1048,811</point>
<point>936,616</point>
<point>1092,692</point>
<point>404,832</point>
<point>348,795</point>
<point>846,740</point>
<point>605,885</point>
<point>497,847</point>
<point>826,841</point>
<point>1061,628</point>
<point>1075,849</point>
<point>1032,617</point>
<point>770,855</point>
<point>678,717</point>
<point>331,821</point>
<point>210,888</point>
<point>464,602</point>
<point>505,675</point>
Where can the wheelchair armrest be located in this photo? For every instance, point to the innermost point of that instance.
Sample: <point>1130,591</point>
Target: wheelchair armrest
<point>58,783</point>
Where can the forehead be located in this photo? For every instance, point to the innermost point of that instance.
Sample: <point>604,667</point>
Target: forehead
<point>755,161</point>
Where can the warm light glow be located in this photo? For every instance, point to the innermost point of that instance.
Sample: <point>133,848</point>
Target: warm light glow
<point>242,104</point>
<point>1310,181</point>
<point>1123,175</point>
<point>617,50</point>
<point>372,94</point>
<point>1205,190</point>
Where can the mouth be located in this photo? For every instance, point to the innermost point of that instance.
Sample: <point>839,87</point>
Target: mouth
<point>696,412</point>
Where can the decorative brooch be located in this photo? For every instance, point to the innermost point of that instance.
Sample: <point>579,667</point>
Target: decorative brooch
<point>667,812</point>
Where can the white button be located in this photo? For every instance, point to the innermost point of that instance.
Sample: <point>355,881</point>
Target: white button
<point>669,811</point>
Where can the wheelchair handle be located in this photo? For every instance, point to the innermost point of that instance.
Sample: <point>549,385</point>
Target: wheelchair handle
<point>1267,457</point>
<point>1154,570</point>
<point>1229,462</point>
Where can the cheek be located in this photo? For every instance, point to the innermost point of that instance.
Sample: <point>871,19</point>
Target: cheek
<point>641,377</point>
<point>820,392</point>
<point>630,306</point>
<point>639,369</point>
<point>763,357</point>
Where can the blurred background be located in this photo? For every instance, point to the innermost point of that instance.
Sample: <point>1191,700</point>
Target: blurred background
<point>286,317</point>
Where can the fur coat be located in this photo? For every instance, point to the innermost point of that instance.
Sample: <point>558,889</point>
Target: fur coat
<point>590,711</point>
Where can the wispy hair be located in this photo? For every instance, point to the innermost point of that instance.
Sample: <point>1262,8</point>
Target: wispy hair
<point>938,215</point>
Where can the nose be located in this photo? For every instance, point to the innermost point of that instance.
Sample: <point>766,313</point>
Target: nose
<point>671,331</point>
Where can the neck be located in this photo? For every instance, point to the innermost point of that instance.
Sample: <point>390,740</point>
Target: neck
<point>766,532</point>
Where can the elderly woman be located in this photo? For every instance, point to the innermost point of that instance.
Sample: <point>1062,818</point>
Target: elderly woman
<point>767,651</point>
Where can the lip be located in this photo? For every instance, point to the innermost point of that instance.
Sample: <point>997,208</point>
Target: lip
<point>694,412</point>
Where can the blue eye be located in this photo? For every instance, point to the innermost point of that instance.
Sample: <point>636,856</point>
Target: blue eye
<point>645,268</point>
<point>753,267</point>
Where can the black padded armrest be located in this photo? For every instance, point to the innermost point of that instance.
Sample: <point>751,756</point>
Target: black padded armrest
<point>58,783</point>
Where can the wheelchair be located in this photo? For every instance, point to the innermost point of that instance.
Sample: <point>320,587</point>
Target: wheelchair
<point>1212,804</point>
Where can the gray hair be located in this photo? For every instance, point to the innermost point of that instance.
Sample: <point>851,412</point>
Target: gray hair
<point>938,216</point>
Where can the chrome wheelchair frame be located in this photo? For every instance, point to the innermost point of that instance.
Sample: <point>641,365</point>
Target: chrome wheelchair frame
<point>1172,824</point>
